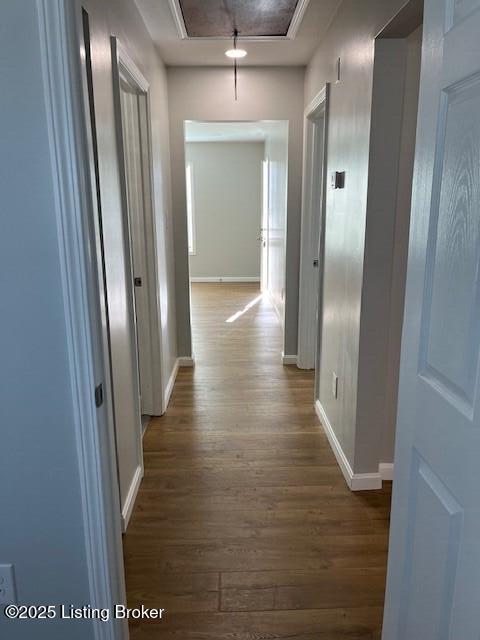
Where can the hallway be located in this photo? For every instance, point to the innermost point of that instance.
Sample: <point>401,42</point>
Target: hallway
<point>244,527</point>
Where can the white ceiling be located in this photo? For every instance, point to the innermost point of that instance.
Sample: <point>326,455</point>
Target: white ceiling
<point>174,51</point>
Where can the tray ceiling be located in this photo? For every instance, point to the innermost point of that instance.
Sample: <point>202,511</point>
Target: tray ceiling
<point>165,24</point>
<point>252,18</point>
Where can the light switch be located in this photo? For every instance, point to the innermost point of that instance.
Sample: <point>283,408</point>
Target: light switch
<point>338,179</point>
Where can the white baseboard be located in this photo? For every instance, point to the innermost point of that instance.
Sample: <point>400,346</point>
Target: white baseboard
<point>386,470</point>
<point>186,361</point>
<point>366,481</point>
<point>170,384</point>
<point>131,497</point>
<point>183,361</point>
<point>225,279</point>
<point>355,481</point>
<point>289,359</point>
<point>334,443</point>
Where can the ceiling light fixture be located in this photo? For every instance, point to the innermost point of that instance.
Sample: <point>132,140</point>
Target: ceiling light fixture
<point>236,53</point>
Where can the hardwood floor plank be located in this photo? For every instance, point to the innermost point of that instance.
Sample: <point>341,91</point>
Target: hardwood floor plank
<point>325,624</point>
<point>179,593</point>
<point>266,554</point>
<point>320,589</point>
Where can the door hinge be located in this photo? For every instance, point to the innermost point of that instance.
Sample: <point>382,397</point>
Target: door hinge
<point>137,282</point>
<point>315,263</point>
<point>99,395</point>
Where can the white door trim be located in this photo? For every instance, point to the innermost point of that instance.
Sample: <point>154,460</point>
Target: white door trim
<point>61,31</point>
<point>122,64</point>
<point>313,199</point>
<point>265,226</point>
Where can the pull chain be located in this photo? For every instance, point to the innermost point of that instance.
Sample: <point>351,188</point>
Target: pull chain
<point>235,69</point>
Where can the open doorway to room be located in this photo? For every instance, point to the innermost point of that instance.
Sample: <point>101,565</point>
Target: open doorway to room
<point>131,97</point>
<point>398,53</point>
<point>128,268</point>
<point>236,198</point>
<point>313,227</point>
<point>133,134</point>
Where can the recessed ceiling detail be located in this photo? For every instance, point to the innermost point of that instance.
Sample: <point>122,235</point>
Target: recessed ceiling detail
<point>252,18</point>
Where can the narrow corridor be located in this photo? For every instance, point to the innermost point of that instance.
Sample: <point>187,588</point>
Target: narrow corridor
<point>244,527</point>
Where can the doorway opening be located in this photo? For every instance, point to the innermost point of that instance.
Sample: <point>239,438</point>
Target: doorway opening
<point>398,53</point>
<point>236,199</point>
<point>313,225</point>
<point>128,282</point>
<point>132,110</point>
<point>366,458</point>
<point>133,134</point>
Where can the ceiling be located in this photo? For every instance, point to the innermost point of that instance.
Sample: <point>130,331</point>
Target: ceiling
<point>214,18</point>
<point>229,131</point>
<point>178,51</point>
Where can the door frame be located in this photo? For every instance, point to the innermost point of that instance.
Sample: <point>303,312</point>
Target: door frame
<point>123,66</point>
<point>313,210</point>
<point>286,359</point>
<point>67,107</point>
<point>265,226</point>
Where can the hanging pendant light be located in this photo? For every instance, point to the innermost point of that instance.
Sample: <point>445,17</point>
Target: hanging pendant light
<point>235,54</point>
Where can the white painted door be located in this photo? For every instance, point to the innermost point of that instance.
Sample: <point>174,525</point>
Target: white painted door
<point>263,236</point>
<point>433,589</point>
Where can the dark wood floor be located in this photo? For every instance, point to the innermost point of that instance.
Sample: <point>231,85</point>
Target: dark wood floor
<point>244,528</point>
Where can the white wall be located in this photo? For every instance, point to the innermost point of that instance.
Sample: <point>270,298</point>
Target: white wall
<point>199,93</point>
<point>227,182</point>
<point>121,18</point>
<point>350,38</point>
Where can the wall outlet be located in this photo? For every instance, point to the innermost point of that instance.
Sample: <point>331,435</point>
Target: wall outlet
<point>335,385</point>
<point>7,584</point>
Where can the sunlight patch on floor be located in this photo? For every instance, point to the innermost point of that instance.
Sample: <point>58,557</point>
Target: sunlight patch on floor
<point>239,314</point>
